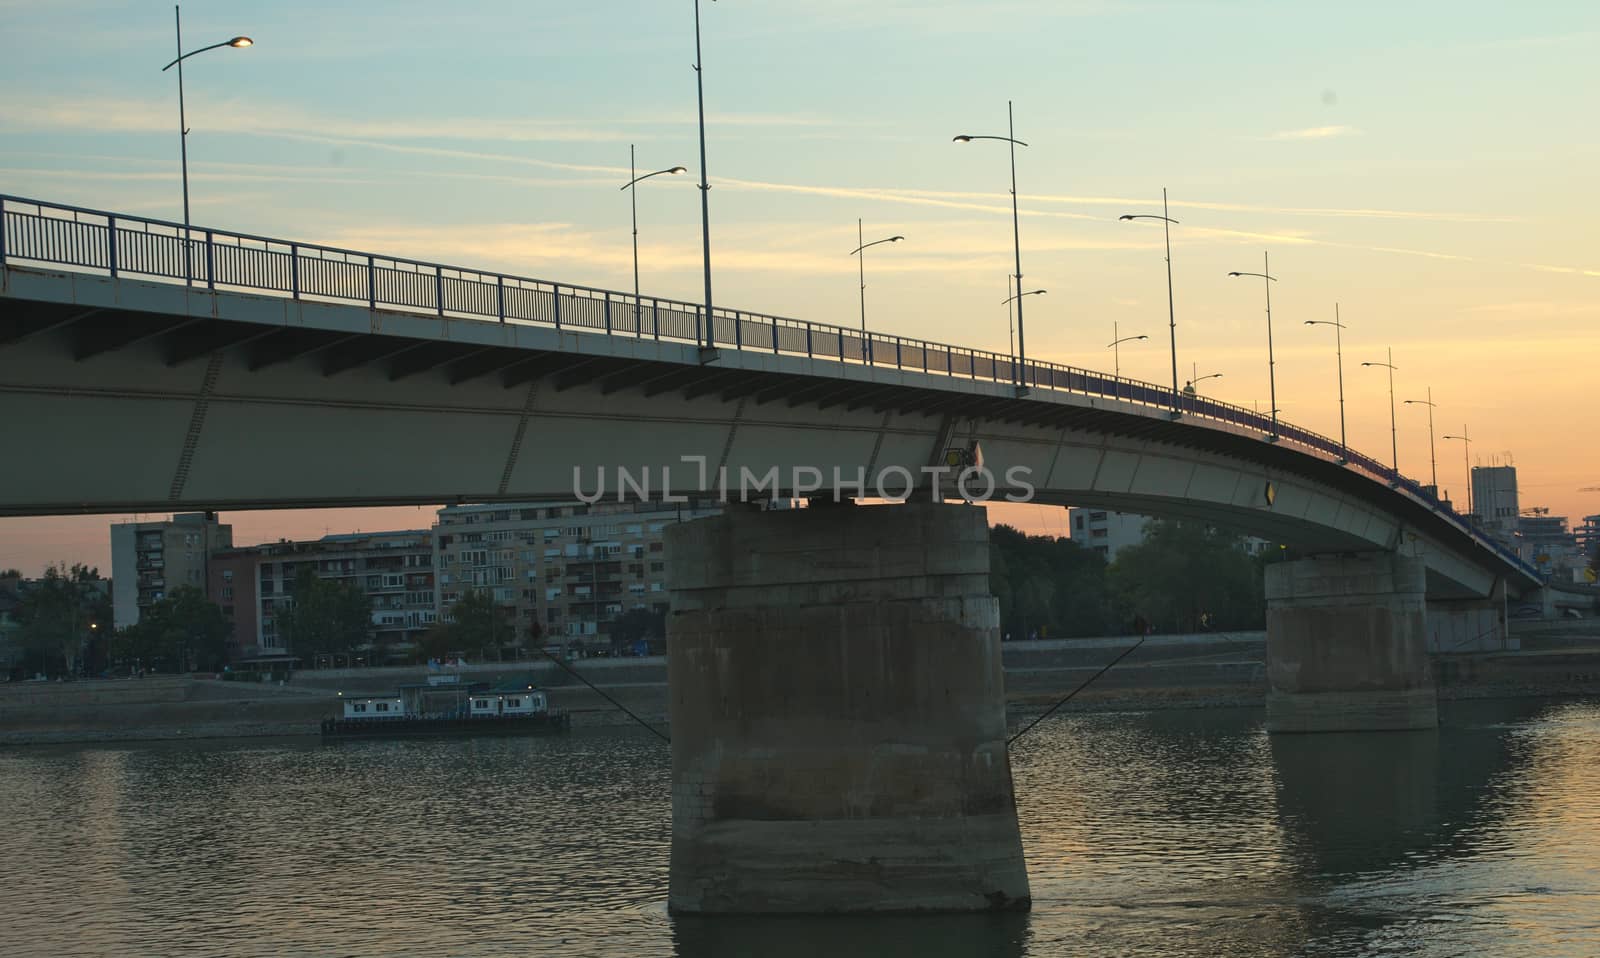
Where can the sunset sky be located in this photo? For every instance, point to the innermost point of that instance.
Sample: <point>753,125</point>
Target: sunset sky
<point>1430,166</point>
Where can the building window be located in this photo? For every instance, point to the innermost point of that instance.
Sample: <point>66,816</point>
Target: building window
<point>383,706</point>
<point>360,707</point>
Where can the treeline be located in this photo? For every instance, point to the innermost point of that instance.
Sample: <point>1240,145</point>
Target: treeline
<point>1185,577</point>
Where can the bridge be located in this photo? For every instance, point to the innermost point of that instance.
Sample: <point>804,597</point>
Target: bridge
<point>144,367</point>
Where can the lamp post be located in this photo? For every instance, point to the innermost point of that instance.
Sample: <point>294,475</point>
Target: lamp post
<point>708,348</point>
<point>183,126</point>
<point>1272,374</point>
<point>1167,223</point>
<point>1338,351</point>
<point>1394,442</point>
<point>1016,347</point>
<point>1016,231</point>
<point>861,269</point>
<point>633,201</point>
<point>1466,462</point>
<point>1199,379</point>
<point>1116,351</point>
<point>1433,462</point>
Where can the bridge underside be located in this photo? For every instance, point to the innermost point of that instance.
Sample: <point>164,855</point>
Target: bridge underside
<point>125,396</point>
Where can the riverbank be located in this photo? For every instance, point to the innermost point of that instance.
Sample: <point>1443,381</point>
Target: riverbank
<point>1166,672</point>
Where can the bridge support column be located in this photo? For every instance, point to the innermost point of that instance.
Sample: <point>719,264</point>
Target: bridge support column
<point>838,714</point>
<point>1347,645</point>
<point>1460,626</point>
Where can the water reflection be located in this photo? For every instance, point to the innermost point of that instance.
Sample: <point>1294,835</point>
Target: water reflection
<point>1179,833</point>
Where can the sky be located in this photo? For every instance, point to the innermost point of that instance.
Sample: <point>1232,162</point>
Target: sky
<point>1429,167</point>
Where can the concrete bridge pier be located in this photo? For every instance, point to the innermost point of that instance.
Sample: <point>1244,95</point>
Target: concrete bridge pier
<point>838,716</point>
<point>1347,645</point>
<point>1460,626</point>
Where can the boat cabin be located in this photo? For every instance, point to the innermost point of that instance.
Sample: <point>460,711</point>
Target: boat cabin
<point>508,701</point>
<point>371,706</point>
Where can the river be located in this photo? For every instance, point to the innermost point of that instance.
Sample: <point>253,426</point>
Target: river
<point>1170,833</point>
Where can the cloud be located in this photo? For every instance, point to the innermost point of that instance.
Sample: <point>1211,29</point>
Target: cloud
<point>1313,133</point>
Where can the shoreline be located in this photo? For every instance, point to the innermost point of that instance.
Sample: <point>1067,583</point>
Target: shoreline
<point>1021,707</point>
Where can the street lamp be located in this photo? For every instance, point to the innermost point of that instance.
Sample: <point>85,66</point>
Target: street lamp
<point>1016,298</point>
<point>1199,379</point>
<point>1272,374</point>
<point>1466,462</point>
<point>633,200</point>
<point>1167,223</point>
<point>1338,350</point>
<point>183,126</point>
<point>1116,352</point>
<point>861,269</point>
<point>1016,231</point>
<point>1394,442</point>
<point>708,349</point>
<point>1432,461</point>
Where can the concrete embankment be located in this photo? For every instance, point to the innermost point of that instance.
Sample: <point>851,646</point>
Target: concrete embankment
<point>1204,671</point>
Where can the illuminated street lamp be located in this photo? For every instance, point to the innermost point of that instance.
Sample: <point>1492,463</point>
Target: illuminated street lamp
<point>1272,374</point>
<point>1016,230</point>
<point>1115,347</point>
<point>1338,351</point>
<point>1167,223</point>
<point>1394,442</point>
<point>861,269</point>
<point>633,200</point>
<point>1432,461</point>
<point>183,126</point>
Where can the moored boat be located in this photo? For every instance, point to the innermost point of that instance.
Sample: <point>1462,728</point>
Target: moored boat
<point>446,706</point>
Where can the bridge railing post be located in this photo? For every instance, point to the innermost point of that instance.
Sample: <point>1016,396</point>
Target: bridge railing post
<point>438,290</point>
<point>2,230</point>
<point>808,340</point>
<point>372,284</point>
<point>607,311</point>
<point>738,331</point>
<point>111,243</point>
<point>294,270</point>
<point>774,337</point>
<point>555,302</point>
<point>211,261</point>
<point>500,297</point>
<point>655,317</point>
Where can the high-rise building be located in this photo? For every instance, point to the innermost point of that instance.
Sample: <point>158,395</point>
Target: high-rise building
<point>150,559</point>
<point>567,569</point>
<point>1104,531</point>
<point>1494,499</point>
<point>393,569</point>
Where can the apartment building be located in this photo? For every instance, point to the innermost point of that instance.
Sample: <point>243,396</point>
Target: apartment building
<point>1109,532</point>
<point>150,559</point>
<point>568,570</point>
<point>394,570</point>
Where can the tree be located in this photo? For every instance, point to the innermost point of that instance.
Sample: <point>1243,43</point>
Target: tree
<point>184,630</point>
<point>324,615</point>
<point>1046,586</point>
<point>479,627</point>
<point>635,626</point>
<point>1184,570</point>
<point>57,612</point>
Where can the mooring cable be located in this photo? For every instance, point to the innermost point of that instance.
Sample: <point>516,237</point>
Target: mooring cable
<point>1068,697</point>
<point>573,672</point>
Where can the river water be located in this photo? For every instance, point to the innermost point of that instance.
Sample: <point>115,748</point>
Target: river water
<point>1170,833</point>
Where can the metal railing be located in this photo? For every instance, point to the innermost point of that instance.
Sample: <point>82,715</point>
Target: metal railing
<point>117,244</point>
